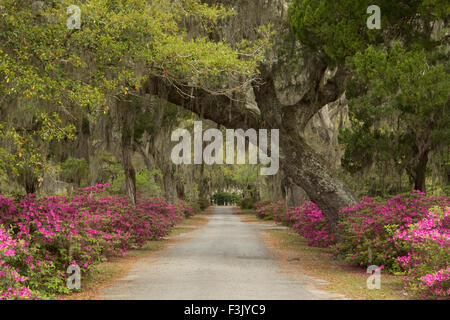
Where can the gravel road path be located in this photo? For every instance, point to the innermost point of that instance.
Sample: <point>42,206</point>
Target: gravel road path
<point>223,259</point>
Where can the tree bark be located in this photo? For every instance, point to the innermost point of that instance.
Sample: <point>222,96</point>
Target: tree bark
<point>146,156</point>
<point>82,142</point>
<point>29,181</point>
<point>127,113</point>
<point>299,161</point>
<point>169,186</point>
<point>295,196</point>
<point>276,187</point>
<point>181,193</point>
<point>203,183</point>
<point>420,172</point>
<point>309,171</point>
<point>130,174</point>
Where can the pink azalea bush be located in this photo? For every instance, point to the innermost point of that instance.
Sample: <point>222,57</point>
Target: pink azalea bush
<point>409,235</point>
<point>263,210</point>
<point>41,237</point>
<point>268,211</point>
<point>427,262</point>
<point>11,282</point>
<point>307,220</point>
<point>367,229</point>
<point>187,210</point>
<point>312,225</point>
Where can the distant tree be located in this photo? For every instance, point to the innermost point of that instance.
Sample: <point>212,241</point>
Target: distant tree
<point>22,156</point>
<point>75,171</point>
<point>399,109</point>
<point>400,85</point>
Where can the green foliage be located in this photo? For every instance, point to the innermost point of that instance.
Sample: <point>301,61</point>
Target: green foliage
<point>247,203</point>
<point>108,167</point>
<point>22,159</point>
<point>145,183</point>
<point>245,175</point>
<point>398,108</point>
<point>119,45</point>
<point>337,29</point>
<point>202,204</point>
<point>222,198</point>
<point>75,171</point>
<point>379,179</point>
<point>43,58</point>
<point>399,93</point>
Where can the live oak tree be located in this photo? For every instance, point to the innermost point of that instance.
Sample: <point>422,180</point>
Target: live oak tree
<point>152,138</point>
<point>329,32</point>
<point>336,31</point>
<point>103,64</point>
<point>299,162</point>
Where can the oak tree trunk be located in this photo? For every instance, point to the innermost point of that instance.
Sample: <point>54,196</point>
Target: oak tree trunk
<point>295,196</point>
<point>169,185</point>
<point>309,171</point>
<point>128,115</point>
<point>82,143</point>
<point>420,172</point>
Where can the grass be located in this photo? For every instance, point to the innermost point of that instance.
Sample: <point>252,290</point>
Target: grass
<point>105,273</point>
<point>297,258</point>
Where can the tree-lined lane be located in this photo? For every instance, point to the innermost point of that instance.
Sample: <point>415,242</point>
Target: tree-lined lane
<point>225,259</point>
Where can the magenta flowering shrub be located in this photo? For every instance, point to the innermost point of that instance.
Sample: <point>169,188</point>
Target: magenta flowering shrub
<point>268,210</point>
<point>310,223</point>
<point>278,210</point>
<point>263,210</point>
<point>288,216</point>
<point>306,220</point>
<point>405,234</point>
<point>367,229</point>
<point>262,204</point>
<point>187,210</point>
<point>41,237</point>
<point>427,262</point>
<point>11,282</point>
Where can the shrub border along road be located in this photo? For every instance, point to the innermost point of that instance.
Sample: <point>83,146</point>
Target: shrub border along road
<point>406,234</point>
